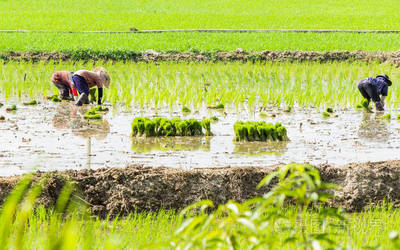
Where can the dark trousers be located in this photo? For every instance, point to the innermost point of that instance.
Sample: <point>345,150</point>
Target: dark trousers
<point>368,91</point>
<point>64,90</point>
<point>81,84</point>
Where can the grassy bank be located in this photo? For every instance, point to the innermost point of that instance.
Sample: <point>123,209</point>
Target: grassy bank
<point>168,84</point>
<point>123,15</point>
<point>192,41</point>
<point>153,230</point>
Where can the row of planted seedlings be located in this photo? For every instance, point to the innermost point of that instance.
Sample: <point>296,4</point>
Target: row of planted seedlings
<point>235,84</point>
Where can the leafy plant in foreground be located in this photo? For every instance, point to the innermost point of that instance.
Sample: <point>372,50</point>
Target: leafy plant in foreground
<point>260,222</point>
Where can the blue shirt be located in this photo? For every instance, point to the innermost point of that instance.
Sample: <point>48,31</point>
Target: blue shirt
<point>380,85</point>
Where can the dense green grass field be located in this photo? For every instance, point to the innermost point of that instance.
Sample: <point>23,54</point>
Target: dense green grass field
<point>169,85</point>
<point>122,15</point>
<point>198,42</point>
<point>174,14</point>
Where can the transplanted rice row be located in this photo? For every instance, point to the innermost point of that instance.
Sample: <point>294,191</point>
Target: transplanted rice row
<point>195,85</point>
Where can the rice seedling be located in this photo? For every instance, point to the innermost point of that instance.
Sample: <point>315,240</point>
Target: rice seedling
<point>30,103</point>
<point>144,127</point>
<point>93,117</point>
<point>259,131</point>
<point>326,114</point>
<point>1,104</point>
<point>12,108</point>
<point>387,116</point>
<point>237,85</point>
<point>218,106</point>
<point>186,110</point>
<point>329,110</point>
<point>2,118</point>
<point>214,119</point>
<point>398,117</point>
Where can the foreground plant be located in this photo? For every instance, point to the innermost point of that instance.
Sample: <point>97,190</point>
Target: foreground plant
<point>262,223</point>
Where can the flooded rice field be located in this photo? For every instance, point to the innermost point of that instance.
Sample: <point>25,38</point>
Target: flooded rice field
<point>54,136</point>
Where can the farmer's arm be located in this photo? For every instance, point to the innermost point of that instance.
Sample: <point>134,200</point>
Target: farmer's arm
<point>100,95</point>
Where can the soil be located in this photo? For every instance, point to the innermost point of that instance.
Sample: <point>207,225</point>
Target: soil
<point>238,55</point>
<point>124,190</point>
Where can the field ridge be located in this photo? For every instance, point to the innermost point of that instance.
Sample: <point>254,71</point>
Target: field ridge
<point>203,30</point>
<point>123,190</point>
<point>238,55</point>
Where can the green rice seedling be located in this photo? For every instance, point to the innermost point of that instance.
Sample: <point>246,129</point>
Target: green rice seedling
<point>93,117</point>
<point>186,110</point>
<point>2,118</point>
<point>218,106</point>
<point>55,99</point>
<point>101,109</point>
<point>386,116</point>
<point>288,109</point>
<point>263,115</point>
<point>206,124</point>
<point>259,131</point>
<point>329,110</point>
<point>32,102</point>
<point>214,119</point>
<point>166,127</point>
<point>92,95</point>
<point>12,108</point>
<point>398,117</point>
<point>1,104</point>
<point>326,114</point>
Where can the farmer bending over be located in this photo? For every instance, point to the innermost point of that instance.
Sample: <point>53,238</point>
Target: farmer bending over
<point>373,88</point>
<point>63,81</point>
<point>84,80</point>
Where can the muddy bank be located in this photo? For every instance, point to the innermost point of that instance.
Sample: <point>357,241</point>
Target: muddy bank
<point>238,55</point>
<point>122,190</point>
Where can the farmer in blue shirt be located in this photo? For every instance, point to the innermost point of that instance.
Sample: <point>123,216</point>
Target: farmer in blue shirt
<point>374,88</point>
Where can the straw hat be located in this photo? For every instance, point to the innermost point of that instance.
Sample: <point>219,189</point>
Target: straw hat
<point>104,73</point>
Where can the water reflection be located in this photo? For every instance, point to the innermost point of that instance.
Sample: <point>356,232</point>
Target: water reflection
<point>373,128</point>
<point>184,143</point>
<point>260,148</point>
<point>70,117</point>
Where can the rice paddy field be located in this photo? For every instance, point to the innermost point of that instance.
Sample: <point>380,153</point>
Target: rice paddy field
<point>231,109</point>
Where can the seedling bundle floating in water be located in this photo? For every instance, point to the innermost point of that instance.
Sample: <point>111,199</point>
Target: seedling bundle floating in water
<point>95,113</point>
<point>33,102</point>
<point>259,131</point>
<point>142,126</point>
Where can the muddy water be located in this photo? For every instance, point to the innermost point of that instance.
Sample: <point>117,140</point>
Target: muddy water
<point>54,136</point>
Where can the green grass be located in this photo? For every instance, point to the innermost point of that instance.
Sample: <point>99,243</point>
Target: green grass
<point>147,230</point>
<point>124,14</point>
<point>237,85</point>
<point>193,41</point>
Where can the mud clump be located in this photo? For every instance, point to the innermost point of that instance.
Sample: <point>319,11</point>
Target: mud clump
<point>124,190</point>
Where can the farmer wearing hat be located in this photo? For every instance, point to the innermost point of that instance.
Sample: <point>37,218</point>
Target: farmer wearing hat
<point>83,80</point>
<point>63,81</point>
<point>375,89</point>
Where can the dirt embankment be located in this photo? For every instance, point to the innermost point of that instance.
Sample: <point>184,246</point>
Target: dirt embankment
<point>238,55</point>
<point>122,190</point>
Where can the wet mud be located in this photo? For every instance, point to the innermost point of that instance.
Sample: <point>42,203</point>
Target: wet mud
<point>135,188</point>
<point>238,55</point>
